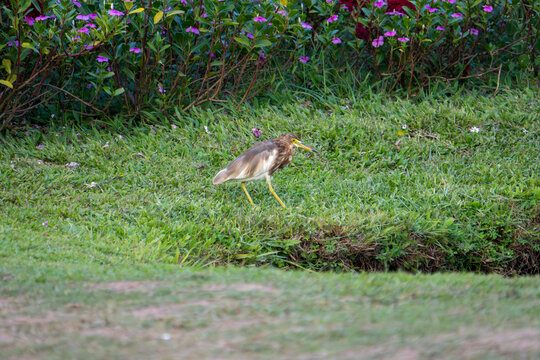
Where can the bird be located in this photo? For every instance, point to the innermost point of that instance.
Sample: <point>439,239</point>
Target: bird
<point>261,161</point>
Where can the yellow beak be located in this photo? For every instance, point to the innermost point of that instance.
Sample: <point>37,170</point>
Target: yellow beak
<point>302,145</point>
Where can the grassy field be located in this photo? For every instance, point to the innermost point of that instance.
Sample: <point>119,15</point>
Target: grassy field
<point>61,311</point>
<point>434,196</point>
<point>114,256</point>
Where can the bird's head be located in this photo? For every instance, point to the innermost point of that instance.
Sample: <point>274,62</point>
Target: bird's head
<point>294,141</point>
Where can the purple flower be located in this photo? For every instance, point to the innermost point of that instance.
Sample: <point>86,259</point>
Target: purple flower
<point>42,18</point>
<point>45,223</point>
<point>379,4</point>
<point>256,132</point>
<point>204,15</point>
<point>282,13</point>
<point>336,40</point>
<point>306,26</point>
<point>450,1</point>
<point>332,18</point>
<point>488,8</point>
<point>90,25</point>
<point>76,3</point>
<point>394,12</point>
<point>15,42</point>
<point>102,59</point>
<point>250,36</point>
<point>193,30</point>
<point>82,17</point>
<point>457,15</point>
<point>135,50</point>
<point>113,12</point>
<point>40,147</point>
<point>303,59</point>
<point>390,33</point>
<point>83,30</point>
<point>378,42</point>
<point>440,28</point>
<point>161,90</point>
<point>72,165</point>
<point>474,31</point>
<point>89,86</point>
<point>403,39</point>
<point>430,9</point>
<point>30,20</point>
<point>259,19</point>
<point>92,16</point>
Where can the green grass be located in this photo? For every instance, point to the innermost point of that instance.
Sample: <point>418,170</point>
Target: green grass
<point>438,197</point>
<point>61,311</point>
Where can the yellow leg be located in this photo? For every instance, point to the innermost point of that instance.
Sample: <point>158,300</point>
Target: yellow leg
<point>247,194</point>
<point>275,195</point>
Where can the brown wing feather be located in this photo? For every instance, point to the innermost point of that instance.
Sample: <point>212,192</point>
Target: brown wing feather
<point>248,164</point>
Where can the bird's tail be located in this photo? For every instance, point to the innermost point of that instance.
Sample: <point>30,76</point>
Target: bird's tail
<point>221,176</point>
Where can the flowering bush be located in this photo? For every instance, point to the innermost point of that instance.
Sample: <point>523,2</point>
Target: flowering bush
<point>416,41</point>
<point>131,57</point>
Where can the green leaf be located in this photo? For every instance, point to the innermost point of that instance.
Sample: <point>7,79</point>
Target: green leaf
<point>6,83</point>
<point>136,11</point>
<point>158,17</point>
<point>118,92</point>
<point>263,43</point>
<point>7,65</point>
<point>242,41</point>
<point>175,12</point>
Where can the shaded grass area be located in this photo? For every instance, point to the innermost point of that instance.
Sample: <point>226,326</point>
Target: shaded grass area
<point>435,196</point>
<point>94,311</point>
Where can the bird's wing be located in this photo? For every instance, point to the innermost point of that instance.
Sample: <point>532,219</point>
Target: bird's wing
<point>253,163</point>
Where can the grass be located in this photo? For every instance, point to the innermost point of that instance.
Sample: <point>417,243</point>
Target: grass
<point>90,311</point>
<point>433,197</point>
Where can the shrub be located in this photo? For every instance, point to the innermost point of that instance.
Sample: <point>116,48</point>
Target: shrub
<point>153,59</point>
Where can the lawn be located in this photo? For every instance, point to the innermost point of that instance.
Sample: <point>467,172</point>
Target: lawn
<point>457,189</point>
<point>115,244</point>
<point>61,311</point>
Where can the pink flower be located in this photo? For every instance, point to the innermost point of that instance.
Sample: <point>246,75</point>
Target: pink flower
<point>250,36</point>
<point>193,30</point>
<point>332,18</point>
<point>135,50</point>
<point>92,16</point>
<point>394,12</point>
<point>379,4</point>
<point>90,25</point>
<point>41,18</point>
<point>430,9</point>
<point>40,147</point>
<point>390,33</point>
<point>282,13</point>
<point>403,39</point>
<point>76,3</point>
<point>83,30</point>
<point>457,15</point>
<point>115,13</point>
<point>82,17</point>
<point>306,26</point>
<point>336,41</point>
<point>256,132</point>
<point>378,42</point>
<point>488,8</point>
<point>102,59</point>
<point>440,28</point>
<point>303,59</point>
<point>474,31</point>
<point>259,19</point>
<point>30,20</point>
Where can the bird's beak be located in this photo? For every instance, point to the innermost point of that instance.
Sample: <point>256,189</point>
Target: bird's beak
<point>302,145</point>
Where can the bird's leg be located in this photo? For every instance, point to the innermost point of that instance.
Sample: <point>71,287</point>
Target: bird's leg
<point>274,193</point>
<point>247,194</point>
